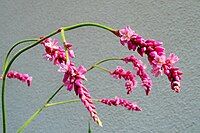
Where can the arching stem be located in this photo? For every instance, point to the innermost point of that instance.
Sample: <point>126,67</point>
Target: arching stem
<point>47,104</point>
<point>7,65</point>
<point>11,49</point>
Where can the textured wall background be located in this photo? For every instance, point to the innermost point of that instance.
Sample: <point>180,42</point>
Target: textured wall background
<point>176,22</point>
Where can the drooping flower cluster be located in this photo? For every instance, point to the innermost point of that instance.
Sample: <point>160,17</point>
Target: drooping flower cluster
<point>155,53</point>
<point>140,69</point>
<point>73,77</point>
<point>128,76</point>
<point>20,76</point>
<point>53,52</point>
<point>68,47</point>
<point>173,73</point>
<point>121,102</point>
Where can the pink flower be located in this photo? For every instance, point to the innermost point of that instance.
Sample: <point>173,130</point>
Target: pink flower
<point>86,99</point>
<point>130,85</point>
<point>68,47</point>
<point>53,52</point>
<point>73,74</point>
<point>22,77</point>
<point>171,60</point>
<point>125,35</point>
<point>174,77</point>
<point>129,77</point>
<point>73,79</point>
<point>121,102</point>
<point>152,48</point>
<point>157,64</point>
<point>173,73</point>
<point>156,71</point>
<point>140,68</point>
<point>155,52</point>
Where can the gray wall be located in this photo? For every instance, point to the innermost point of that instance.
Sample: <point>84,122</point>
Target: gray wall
<point>176,22</point>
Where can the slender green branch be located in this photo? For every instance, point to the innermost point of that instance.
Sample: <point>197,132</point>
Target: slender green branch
<point>67,101</point>
<point>88,24</point>
<point>101,68</point>
<point>36,114</point>
<point>4,117</point>
<point>7,66</point>
<point>108,59</point>
<point>54,94</point>
<point>63,35</point>
<point>15,45</point>
<point>102,61</point>
<point>47,104</point>
<point>89,127</point>
<point>64,41</point>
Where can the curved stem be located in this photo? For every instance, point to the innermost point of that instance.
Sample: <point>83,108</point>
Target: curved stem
<point>108,59</point>
<point>101,68</point>
<point>67,101</point>
<point>88,24</point>
<point>38,111</point>
<point>102,61</point>
<point>4,117</point>
<point>7,67</point>
<point>15,45</point>
<point>64,42</point>
<point>47,104</point>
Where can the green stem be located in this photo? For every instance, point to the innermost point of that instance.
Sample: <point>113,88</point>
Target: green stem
<point>4,112</point>
<point>67,101</point>
<point>88,24</point>
<point>108,59</point>
<point>101,68</point>
<point>7,67</point>
<point>36,114</point>
<point>15,45</point>
<point>102,61</point>
<point>89,127</point>
<point>47,104</point>
<point>4,117</point>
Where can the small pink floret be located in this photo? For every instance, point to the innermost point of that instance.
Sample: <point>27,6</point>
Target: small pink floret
<point>20,76</point>
<point>121,102</point>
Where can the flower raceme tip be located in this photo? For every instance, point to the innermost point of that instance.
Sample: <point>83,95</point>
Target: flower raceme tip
<point>20,76</point>
<point>140,71</point>
<point>121,102</point>
<point>74,76</point>
<point>128,76</point>
<point>155,53</point>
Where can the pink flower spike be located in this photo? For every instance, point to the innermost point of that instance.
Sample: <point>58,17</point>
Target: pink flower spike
<point>68,46</point>
<point>175,76</point>
<point>53,52</point>
<point>172,59</point>
<point>126,34</point>
<point>121,102</point>
<point>159,60</point>
<point>22,77</point>
<point>63,67</point>
<point>129,77</point>
<point>86,99</point>
<point>130,86</point>
<point>130,38</point>
<point>141,72</point>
